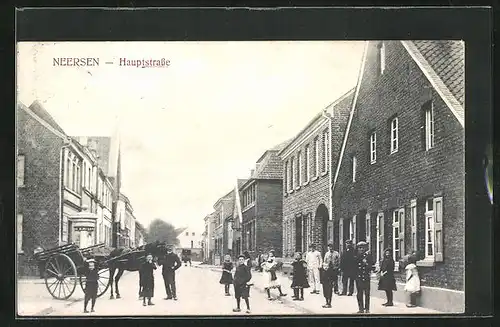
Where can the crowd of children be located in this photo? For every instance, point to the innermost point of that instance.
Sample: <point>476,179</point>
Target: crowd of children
<point>355,265</point>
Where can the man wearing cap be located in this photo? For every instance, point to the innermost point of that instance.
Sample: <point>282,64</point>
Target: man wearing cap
<point>171,263</point>
<point>314,261</point>
<point>331,265</point>
<point>364,265</point>
<point>348,268</point>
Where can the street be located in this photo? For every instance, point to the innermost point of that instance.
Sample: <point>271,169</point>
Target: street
<point>199,293</point>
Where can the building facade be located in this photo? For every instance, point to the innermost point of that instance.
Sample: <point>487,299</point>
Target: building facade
<point>140,233</point>
<point>307,179</point>
<point>191,239</point>
<point>401,176</point>
<point>261,198</point>
<point>223,210</point>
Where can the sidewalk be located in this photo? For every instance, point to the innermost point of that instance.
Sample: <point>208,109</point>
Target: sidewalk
<point>312,303</point>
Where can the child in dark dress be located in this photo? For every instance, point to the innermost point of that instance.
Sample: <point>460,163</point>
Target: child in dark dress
<point>387,282</point>
<point>227,277</point>
<point>147,280</point>
<point>242,276</point>
<point>299,279</point>
<point>92,276</point>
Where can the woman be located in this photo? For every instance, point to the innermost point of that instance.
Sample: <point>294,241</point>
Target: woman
<point>147,280</point>
<point>270,267</point>
<point>227,278</point>
<point>299,279</point>
<point>387,282</point>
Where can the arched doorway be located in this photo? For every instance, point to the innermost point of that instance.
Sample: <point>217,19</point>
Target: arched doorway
<point>321,219</point>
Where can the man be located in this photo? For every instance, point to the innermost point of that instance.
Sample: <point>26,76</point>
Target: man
<point>348,268</point>
<point>331,265</point>
<point>171,263</point>
<point>314,261</point>
<point>364,265</point>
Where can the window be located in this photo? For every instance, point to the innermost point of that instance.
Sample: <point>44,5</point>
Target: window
<point>429,125</point>
<point>398,220</point>
<point>89,174</point>
<point>19,233</point>
<point>341,234</point>
<point>352,229</point>
<point>192,234</point>
<point>299,168</point>
<point>434,229</point>
<point>382,57</point>
<point>316,153</point>
<point>325,151</point>
<point>367,229</point>
<point>187,233</point>
<point>20,170</point>
<point>249,196</point>
<point>308,163</point>
<point>285,178</point>
<point>354,166</point>
<point>373,148</point>
<point>292,172</point>
<point>413,222</point>
<point>394,135</point>
<point>191,244</point>
<point>380,236</point>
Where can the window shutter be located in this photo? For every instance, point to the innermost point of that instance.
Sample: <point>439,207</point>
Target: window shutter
<point>402,231</point>
<point>413,224</point>
<point>438,229</point>
<point>19,233</point>
<point>354,230</point>
<point>341,234</point>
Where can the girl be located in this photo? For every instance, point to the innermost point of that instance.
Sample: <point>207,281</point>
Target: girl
<point>299,280</point>
<point>92,276</point>
<point>242,277</point>
<point>227,278</point>
<point>147,279</point>
<point>412,281</point>
<point>387,282</point>
<point>270,267</point>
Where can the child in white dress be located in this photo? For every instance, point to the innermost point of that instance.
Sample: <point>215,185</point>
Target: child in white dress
<point>412,281</point>
<point>270,266</point>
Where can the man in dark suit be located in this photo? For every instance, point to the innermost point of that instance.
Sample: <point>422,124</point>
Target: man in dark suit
<point>364,265</point>
<point>171,263</point>
<point>348,268</point>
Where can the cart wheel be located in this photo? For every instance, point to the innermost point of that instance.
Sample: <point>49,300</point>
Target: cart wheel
<point>102,282</point>
<point>60,276</point>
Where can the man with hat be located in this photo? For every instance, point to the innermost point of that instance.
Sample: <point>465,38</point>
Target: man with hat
<point>91,277</point>
<point>331,265</point>
<point>364,265</point>
<point>171,263</point>
<point>348,268</point>
<point>314,261</point>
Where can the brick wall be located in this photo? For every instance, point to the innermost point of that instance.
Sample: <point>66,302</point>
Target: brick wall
<point>41,191</point>
<point>269,213</point>
<point>315,194</point>
<point>412,172</point>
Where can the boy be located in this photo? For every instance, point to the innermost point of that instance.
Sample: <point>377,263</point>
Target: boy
<point>242,276</point>
<point>92,276</point>
<point>364,265</point>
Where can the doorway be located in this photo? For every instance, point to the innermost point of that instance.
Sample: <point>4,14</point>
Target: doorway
<point>321,219</point>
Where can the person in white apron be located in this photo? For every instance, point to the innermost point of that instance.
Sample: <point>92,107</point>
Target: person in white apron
<point>270,266</point>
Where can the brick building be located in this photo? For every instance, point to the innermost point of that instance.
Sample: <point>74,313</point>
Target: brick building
<point>261,199</point>
<point>223,211</point>
<point>400,181</point>
<point>307,178</point>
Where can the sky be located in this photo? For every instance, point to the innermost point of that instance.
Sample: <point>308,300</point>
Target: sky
<point>189,130</point>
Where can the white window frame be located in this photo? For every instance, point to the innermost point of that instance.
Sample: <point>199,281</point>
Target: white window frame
<point>318,147</point>
<point>382,58</point>
<point>292,170</point>
<point>341,234</point>
<point>352,229</point>
<point>285,177</point>
<point>21,167</point>
<point>380,236</point>
<point>398,231</point>
<point>413,223</point>
<point>299,169</point>
<point>429,127</point>
<point>308,164</point>
<point>354,168</point>
<point>429,230</point>
<point>368,227</point>
<point>373,148</point>
<point>325,151</point>
<point>394,135</point>
<point>20,223</point>
<point>438,227</point>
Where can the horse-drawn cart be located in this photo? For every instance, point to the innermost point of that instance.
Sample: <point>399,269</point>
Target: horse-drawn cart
<point>64,266</point>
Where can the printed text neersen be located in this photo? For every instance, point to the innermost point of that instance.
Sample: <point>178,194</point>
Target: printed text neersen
<point>91,61</point>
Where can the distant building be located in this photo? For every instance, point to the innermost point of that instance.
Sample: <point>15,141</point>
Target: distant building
<point>223,210</point>
<point>191,239</point>
<point>140,233</point>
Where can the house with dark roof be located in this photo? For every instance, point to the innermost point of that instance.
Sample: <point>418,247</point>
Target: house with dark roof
<point>307,178</point>
<point>261,205</point>
<point>400,180</point>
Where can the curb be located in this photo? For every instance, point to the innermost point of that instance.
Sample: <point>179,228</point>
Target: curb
<point>263,291</point>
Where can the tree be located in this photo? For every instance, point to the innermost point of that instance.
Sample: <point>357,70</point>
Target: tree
<point>160,230</point>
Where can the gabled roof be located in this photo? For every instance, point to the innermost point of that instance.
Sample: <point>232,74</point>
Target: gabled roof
<point>269,166</point>
<point>443,64</point>
<point>40,111</point>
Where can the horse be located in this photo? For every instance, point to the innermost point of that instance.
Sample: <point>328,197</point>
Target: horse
<point>131,262</point>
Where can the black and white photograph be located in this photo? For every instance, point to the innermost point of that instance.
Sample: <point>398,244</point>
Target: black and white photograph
<point>240,178</point>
